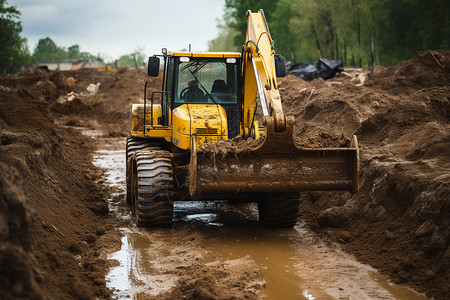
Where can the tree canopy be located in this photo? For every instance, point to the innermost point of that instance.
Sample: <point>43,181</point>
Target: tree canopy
<point>225,39</point>
<point>13,50</point>
<point>136,58</point>
<point>46,49</point>
<point>359,32</point>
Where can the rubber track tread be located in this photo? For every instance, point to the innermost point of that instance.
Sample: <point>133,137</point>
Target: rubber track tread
<point>155,190</point>
<point>153,166</point>
<point>153,197</point>
<point>154,174</point>
<point>149,161</point>
<point>144,183</point>
<point>135,144</point>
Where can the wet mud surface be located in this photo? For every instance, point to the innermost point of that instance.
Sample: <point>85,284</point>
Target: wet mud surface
<point>219,250</point>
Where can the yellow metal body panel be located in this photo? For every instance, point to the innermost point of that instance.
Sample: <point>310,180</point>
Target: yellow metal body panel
<point>137,116</point>
<point>152,129</point>
<point>263,57</point>
<point>158,132</point>
<point>208,122</point>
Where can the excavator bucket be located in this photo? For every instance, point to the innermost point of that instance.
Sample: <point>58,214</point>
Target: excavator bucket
<point>277,165</point>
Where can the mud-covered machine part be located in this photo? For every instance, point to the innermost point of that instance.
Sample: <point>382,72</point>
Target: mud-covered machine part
<point>277,165</point>
<point>134,144</point>
<point>150,189</point>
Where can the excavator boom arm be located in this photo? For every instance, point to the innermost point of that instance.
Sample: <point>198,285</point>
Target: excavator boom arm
<point>258,64</point>
<point>277,164</point>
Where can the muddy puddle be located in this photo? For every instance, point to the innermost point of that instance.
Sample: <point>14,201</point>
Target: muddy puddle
<point>224,241</point>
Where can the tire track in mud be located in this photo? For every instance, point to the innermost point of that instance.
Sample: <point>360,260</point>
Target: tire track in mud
<point>219,250</point>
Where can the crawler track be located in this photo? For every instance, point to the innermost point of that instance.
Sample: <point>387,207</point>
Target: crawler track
<point>152,187</point>
<point>135,144</point>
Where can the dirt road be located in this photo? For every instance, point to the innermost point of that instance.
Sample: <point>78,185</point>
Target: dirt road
<point>218,250</point>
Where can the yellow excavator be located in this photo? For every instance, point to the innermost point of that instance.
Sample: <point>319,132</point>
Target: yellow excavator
<point>213,97</point>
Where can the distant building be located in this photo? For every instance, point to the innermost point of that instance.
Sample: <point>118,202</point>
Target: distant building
<point>92,64</point>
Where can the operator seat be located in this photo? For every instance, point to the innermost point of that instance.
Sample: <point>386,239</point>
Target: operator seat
<point>219,86</point>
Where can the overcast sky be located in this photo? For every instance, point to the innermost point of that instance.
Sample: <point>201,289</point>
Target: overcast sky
<point>117,27</point>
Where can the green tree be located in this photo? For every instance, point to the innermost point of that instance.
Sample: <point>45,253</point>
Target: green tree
<point>136,58</point>
<point>413,25</point>
<point>46,49</point>
<point>88,56</point>
<point>359,32</point>
<point>74,51</point>
<point>235,12</point>
<point>285,40</point>
<point>306,27</point>
<point>13,50</point>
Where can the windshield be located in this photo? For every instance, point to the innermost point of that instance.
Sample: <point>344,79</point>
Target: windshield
<point>206,81</point>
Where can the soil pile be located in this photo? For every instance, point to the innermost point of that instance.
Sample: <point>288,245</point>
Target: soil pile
<point>110,105</point>
<point>427,69</point>
<point>399,220</point>
<point>52,208</point>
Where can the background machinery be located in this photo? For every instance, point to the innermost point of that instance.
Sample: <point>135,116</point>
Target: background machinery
<point>212,97</point>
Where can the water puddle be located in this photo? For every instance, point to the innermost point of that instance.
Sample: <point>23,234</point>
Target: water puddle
<point>296,263</point>
<point>137,274</point>
<point>274,252</point>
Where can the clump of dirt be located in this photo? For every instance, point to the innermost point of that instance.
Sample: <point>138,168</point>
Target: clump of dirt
<point>232,279</point>
<point>399,219</point>
<point>235,145</point>
<point>47,184</point>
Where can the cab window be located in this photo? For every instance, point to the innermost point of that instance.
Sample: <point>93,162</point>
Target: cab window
<point>206,81</point>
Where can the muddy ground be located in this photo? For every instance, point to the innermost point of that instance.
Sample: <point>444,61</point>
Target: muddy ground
<point>55,229</point>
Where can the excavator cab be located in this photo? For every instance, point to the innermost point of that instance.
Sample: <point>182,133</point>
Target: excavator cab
<point>199,79</point>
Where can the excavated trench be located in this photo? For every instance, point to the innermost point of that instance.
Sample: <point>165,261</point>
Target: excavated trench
<point>398,221</point>
<point>220,247</point>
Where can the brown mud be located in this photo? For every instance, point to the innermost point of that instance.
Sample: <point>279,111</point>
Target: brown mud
<point>53,211</point>
<point>235,145</point>
<point>54,226</point>
<point>399,220</point>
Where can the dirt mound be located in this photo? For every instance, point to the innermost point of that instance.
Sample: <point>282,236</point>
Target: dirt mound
<point>111,104</point>
<point>426,69</point>
<point>47,183</point>
<point>326,116</point>
<point>398,221</point>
